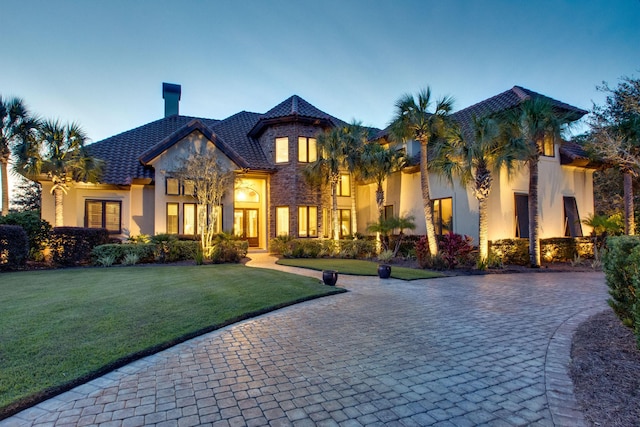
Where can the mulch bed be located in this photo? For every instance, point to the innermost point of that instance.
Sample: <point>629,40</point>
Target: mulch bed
<point>605,370</point>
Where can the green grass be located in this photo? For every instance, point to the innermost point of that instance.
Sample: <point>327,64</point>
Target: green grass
<point>357,267</point>
<point>61,327</point>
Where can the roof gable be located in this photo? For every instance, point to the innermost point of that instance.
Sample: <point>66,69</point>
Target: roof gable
<point>294,109</point>
<point>194,125</point>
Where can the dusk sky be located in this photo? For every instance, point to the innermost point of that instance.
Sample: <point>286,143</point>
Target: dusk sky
<point>102,63</point>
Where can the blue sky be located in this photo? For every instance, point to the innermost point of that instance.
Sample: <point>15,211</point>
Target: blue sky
<point>101,63</point>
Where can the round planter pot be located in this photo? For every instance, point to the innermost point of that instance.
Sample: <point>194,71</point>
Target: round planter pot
<point>384,271</point>
<point>329,277</point>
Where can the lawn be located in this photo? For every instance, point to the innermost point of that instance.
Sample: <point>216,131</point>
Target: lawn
<point>357,267</point>
<point>61,327</point>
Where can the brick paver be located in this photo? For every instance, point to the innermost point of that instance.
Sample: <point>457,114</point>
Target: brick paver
<point>468,350</point>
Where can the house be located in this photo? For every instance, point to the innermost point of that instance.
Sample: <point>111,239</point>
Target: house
<point>140,194</point>
<point>565,186</point>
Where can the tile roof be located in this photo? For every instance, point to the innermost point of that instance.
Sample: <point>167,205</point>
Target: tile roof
<point>120,152</point>
<point>295,109</point>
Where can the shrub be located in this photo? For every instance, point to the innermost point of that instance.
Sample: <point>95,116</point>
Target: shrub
<point>228,248</point>
<point>145,252</point>
<point>621,268</point>
<point>106,260</point>
<point>356,248</point>
<point>38,230</point>
<point>455,249</point>
<point>14,247</point>
<point>130,259</point>
<point>303,248</point>
<point>73,245</point>
<point>511,251</point>
<point>563,249</point>
<point>421,247</point>
<point>278,244</point>
<point>385,256</point>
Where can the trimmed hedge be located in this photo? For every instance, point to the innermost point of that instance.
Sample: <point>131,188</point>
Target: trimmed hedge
<point>73,245</point>
<point>621,265</point>
<point>559,249</point>
<point>14,247</point>
<point>146,252</point>
<point>315,248</point>
<point>37,229</point>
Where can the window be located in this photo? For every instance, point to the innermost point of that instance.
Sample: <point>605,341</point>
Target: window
<point>172,218</point>
<point>189,219</point>
<point>387,212</point>
<point>443,215</point>
<point>103,214</point>
<point>326,223</point>
<point>215,216</point>
<point>173,187</point>
<point>522,215</point>
<point>548,146</point>
<point>307,150</point>
<point>307,221</point>
<point>282,150</point>
<point>344,186</point>
<point>572,226</point>
<point>344,216</point>
<point>188,188</point>
<point>282,221</point>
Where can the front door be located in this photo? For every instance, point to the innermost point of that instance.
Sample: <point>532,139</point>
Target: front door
<point>245,225</point>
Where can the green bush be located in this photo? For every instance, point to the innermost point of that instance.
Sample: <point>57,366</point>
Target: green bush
<point>145,252</point>
<point>14,247</point>
<point>303,248</point>
<point>511,251</point>
<point>563,249</point>
<point>38,230</point>
<point>622,270</point>
<point>278,245</point>
<point>356,248</point>
<point>73,245</point>
<point>226,251</point>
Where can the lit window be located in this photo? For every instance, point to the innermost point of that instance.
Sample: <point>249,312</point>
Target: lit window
<point>282,221</point>
<point>173,187</point>
<point>307,150</point>
<point>282,150</point>
<point>103,214</point>
<point>307,221</point>
<point>344,216</point>
<point>326,222</point>
<point>443,215</point>
<point>172,218</point>
<point>548,146</point>
<point>344,186</point>
<point>189,221</point>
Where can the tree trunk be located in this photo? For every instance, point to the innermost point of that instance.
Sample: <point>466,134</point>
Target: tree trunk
<point>380,200</point>
<point>426,201</point>
<point>5,185</point>
<point>483,229</point>
<point>57,196</point>
<point>629,215</point>
<point>534,214</point>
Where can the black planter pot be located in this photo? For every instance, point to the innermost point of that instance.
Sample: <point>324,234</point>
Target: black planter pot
<point>329,277</point>
<point>384,271</point>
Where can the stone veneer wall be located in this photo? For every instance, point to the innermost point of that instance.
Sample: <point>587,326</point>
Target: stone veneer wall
<point>288,186</point>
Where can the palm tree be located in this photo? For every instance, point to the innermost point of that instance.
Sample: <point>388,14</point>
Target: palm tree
<point>529,123</point>
<point>473,161</point>
<point>413,121</point>
<point>377,163</point>
<point>338,151</point>
<point>15,125</point>
<point>60,153</point>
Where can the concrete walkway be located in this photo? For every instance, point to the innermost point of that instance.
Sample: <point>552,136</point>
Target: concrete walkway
<point>459,351</point>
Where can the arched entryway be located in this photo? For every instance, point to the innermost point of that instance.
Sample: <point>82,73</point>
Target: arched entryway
<point>249,211</point>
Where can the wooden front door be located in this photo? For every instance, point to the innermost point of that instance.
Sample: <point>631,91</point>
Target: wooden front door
<point>245,225</point>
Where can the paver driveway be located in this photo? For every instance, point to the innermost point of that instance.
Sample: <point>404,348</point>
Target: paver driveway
<point>455,351</point>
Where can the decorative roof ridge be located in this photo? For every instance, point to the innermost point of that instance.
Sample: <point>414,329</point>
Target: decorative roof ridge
<point>520,91</point>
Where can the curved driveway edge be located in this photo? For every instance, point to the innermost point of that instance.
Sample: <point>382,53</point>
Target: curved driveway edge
<point>458,351</point>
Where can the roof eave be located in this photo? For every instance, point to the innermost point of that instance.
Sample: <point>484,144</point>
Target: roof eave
<point>262,124</point>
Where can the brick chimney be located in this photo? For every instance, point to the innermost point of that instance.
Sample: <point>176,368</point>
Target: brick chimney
<point>171,95</point>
